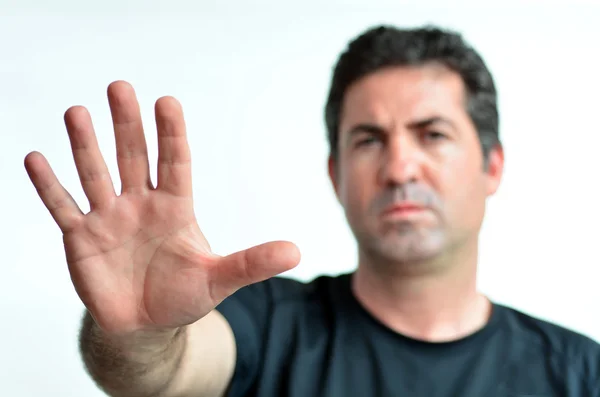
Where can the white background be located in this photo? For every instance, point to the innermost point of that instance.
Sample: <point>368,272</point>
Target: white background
<point>252,78</point>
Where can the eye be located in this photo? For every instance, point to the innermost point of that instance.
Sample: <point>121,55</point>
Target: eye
<point>433,136</point>
<point>366,141</point>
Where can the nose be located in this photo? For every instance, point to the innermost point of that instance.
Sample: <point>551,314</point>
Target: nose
<point>400,162</point>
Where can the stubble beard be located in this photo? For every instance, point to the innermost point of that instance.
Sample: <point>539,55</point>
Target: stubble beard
<point>402,247</point>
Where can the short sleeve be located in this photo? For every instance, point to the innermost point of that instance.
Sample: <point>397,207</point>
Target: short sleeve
<point>247,311</point>
<point>590,366</point>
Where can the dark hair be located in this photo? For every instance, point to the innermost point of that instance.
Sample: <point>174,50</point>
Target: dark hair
<point>385,46</point>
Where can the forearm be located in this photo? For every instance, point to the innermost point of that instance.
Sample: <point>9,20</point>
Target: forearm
<point>143,364</point>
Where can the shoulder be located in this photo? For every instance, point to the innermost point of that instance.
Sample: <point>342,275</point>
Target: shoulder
<point>564,340</point>
<point>281,293</point>
<point>281,290</point>
<point>563,347</point>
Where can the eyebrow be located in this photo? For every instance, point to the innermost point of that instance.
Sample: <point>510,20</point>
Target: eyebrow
<point>365,127</point>
<point>413,125</point>
<point>419,124</point>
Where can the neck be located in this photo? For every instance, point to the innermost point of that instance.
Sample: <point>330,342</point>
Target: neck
<point>436,306</point>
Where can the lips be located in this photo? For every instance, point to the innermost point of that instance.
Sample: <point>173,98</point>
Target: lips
<point>404,207</point>
<point>404,211</point>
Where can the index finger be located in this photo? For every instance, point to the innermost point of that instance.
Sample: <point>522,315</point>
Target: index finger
<point>174,172</point>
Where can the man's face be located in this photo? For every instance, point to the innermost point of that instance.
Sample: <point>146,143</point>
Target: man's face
<point>410,172</point>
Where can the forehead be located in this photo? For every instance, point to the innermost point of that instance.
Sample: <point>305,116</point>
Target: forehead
<point>400,95</point>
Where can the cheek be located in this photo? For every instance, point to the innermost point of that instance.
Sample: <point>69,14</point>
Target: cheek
<point>464,195</point>
<point>356,188</point>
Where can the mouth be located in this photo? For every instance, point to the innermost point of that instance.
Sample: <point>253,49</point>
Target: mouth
<point>404,210</point>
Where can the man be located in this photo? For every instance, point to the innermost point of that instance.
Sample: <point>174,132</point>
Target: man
<point>415,152</point>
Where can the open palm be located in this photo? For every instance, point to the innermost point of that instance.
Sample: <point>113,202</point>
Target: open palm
<point>139,260</point>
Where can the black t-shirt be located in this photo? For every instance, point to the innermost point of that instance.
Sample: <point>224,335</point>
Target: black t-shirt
<point>315,340</point>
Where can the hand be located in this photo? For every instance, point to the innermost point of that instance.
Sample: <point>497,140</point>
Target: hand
<point>139,260</point>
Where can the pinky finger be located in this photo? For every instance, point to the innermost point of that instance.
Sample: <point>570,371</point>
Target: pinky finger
<point>56,198</point>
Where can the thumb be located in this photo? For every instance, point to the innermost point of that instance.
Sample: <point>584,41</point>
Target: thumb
<point>252,265</point>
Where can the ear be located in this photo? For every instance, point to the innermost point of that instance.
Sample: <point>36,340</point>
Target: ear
<point>495,169</point>
<point>333,176</point>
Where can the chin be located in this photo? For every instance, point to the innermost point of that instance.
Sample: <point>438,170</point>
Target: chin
<point>410,254</point>
<point>405,251</point>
